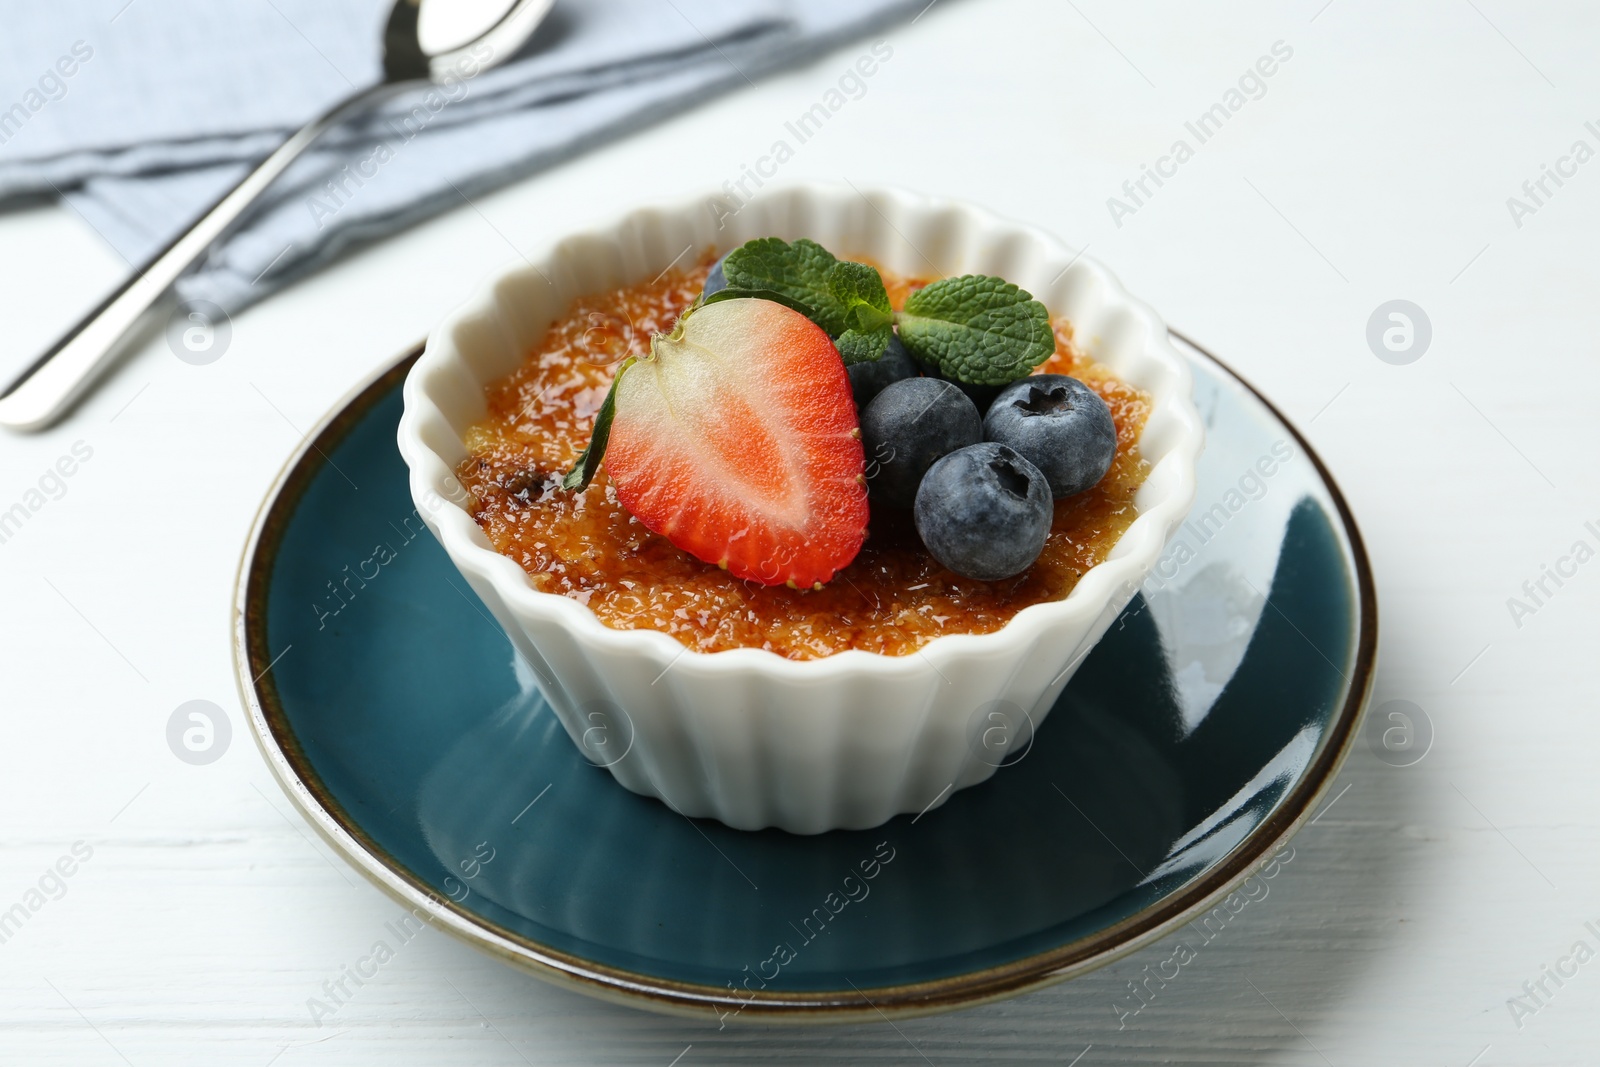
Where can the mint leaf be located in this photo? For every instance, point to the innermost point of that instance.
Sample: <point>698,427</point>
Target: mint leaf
<point>859,288</point>
<point>977,329</point>
<point>857,347</point>
<point>798,271</point>
<point>868,318</point>
<point>588,462</point>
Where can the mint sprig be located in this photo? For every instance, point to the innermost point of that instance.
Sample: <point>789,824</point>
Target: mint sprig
<point>977,329</point>
<point>846,299</point>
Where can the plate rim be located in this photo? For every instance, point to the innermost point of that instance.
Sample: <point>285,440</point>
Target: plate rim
<point>296,777</point>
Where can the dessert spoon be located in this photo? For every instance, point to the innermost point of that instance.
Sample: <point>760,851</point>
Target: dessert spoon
<point>62,374</point>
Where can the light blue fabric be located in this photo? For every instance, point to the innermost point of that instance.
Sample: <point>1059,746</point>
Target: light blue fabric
<point>142,113</point>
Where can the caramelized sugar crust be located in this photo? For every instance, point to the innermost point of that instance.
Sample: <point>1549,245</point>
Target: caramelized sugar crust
<point>893,599</point>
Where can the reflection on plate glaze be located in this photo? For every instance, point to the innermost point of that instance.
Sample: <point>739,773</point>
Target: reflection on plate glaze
<point>1232,641</point>
<point>1209,588</point>
<point>1222,830</point>
<point>1206,623</point>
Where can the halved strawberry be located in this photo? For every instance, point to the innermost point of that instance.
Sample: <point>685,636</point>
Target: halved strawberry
<point>737,440</point>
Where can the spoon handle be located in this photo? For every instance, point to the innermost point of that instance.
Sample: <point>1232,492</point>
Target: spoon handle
<point>57,378</point>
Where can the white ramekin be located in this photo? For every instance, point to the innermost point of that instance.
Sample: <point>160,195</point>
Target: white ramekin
<point>746,736</point>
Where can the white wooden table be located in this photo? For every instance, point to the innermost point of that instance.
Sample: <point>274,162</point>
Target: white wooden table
<point>1375,165</point>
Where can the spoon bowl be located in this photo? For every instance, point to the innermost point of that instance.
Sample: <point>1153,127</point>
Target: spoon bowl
<point>433,40</point>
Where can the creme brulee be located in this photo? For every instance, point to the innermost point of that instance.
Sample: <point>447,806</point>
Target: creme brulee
<point>893,599</point>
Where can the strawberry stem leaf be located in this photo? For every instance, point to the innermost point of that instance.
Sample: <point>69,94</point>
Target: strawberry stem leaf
<point>588,462</point>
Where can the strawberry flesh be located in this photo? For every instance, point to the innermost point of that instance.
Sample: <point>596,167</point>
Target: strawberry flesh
<point>737,440</point>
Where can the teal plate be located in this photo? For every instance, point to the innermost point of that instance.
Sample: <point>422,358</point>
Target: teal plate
<point>1193,741</point>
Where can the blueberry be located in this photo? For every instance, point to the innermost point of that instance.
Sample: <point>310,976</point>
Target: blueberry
<point>716,281</point>
<point>984,511</point>
<point>1062,427</point>
<point>908,426</point>
<point>867,380</point>
<point>980,395</point>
